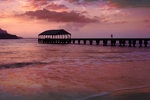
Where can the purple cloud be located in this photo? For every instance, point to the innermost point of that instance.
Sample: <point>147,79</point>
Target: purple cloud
<point>53,16</point>
<point>53,6</point>
<point>146,21</point>
<point>128,3</point>
<point>72,26</point>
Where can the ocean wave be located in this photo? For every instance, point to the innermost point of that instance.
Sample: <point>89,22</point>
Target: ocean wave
<point>25,64</point>
<point>101,96</point>
<point>19,65</point>
<point>105,52</point>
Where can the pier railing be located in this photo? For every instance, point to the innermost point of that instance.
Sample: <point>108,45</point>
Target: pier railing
<point>112,41</point>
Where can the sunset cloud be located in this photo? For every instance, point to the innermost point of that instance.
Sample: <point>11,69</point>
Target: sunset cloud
<point>7,0</point>
<point>71,1</point>
<point>55,7</point>
<point>72,26</point>
<point>118,3</point>
<point>111,3</point>
<point>53,16</point>
<point>146,21</point>
<point>128,3</point>
<point>119,22</point>
<point>33,4</point>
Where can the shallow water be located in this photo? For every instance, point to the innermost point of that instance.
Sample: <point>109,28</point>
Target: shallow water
<point>32,71</point>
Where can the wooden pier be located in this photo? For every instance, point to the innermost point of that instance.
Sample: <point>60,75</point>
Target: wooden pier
<point>131,42</point>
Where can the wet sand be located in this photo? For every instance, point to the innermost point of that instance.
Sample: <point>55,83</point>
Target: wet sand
<point>129,94</point>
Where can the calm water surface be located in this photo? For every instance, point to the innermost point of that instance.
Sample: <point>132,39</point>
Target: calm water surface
<point>32,71</point>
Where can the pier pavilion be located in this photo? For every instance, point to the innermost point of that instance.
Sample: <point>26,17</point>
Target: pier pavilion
<point>54,36</point>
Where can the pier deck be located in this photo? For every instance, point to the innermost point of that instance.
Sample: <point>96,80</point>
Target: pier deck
<point>112,41</point>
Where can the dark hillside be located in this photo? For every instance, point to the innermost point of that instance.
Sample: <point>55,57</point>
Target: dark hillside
<point>8,36</point>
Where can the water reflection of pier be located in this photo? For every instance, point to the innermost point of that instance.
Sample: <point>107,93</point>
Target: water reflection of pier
<point>105,41</point>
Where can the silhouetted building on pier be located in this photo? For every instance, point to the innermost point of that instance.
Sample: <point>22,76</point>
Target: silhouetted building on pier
<point>54,37</point>
<point>55,34</point>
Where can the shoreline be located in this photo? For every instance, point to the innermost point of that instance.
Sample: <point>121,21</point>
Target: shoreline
<point>138,93</point>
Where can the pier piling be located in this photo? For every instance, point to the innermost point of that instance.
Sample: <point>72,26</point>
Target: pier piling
<point>91,42</point>
<point>145,43</point>
<point>120,42</point>
<point>78,41</point>
<point>97,42</point>
<point>123,41</point>
<point>73,41</point>
<point>84,41</point>
<point>134,43</point>
<point>105,42</point>
<point>140,42</point>
<point>130,43</point>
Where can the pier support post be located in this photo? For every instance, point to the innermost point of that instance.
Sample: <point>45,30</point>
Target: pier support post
<point>64,41</point>
<point>54,41</point>
<point>59,40</point>
<point>91,42</point>
<point>123,41</point>
<point>70,41</point>
<point>134,42</point>
<point>145,43</point>
<point>78,41</point>
<point>130,43</point>
<point>73,41</point>
<point>67,41</point>
<point>105,42</point>
<point>84,41</point>
<point>140,42</point>
<point>112,42</point>
<point>97,42</point>
<point>120,42</point>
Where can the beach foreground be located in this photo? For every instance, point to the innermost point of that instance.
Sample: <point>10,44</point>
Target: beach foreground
<point>32,71</point>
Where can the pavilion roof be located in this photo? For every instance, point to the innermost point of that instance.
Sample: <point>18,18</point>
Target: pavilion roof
<point>55,32</point>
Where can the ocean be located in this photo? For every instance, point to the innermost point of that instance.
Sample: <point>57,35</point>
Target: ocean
<point>33,71</point>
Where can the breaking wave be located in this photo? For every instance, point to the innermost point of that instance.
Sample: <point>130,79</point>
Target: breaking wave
<point>22,64</point>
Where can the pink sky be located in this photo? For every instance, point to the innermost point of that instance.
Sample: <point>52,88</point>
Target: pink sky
<point>82,18</point>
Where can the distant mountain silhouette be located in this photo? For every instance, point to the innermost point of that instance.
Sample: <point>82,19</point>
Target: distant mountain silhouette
<point>3,31</point>
<point>5,35</point>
